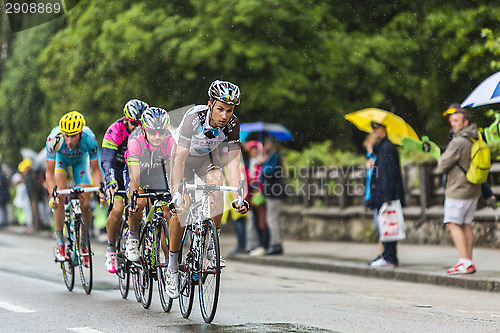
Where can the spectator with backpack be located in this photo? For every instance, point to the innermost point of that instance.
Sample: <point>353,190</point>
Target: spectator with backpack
<point>461,196</point>
<point>486,191</point>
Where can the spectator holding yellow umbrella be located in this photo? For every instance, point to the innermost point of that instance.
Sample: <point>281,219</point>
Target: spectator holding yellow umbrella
<point>386,185</point>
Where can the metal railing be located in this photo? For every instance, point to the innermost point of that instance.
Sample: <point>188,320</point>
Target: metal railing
<point>344,186</point>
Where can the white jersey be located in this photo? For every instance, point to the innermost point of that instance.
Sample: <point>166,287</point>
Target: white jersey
<point>196,134</point>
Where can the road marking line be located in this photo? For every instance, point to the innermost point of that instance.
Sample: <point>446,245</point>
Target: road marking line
<point>85,330</point>
<point>14,308</point>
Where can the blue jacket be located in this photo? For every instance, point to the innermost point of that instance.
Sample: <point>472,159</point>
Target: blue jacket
<point>387,179</point>
<point>272,177</point>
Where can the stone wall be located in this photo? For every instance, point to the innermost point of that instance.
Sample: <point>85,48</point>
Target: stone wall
<point>356,224</point>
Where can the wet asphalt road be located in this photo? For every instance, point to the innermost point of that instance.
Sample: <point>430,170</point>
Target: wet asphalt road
<point>253,299</point>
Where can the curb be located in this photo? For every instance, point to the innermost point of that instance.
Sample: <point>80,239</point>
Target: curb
<point>399,274</point>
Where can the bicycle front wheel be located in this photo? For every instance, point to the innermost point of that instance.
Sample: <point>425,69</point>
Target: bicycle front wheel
<point>209,278</point>
<point>123,272</point>
<point>145,277</point>
<point>82,238</point>
<point>67,267</point>
<point>162,246</point>
<point>186,274</point>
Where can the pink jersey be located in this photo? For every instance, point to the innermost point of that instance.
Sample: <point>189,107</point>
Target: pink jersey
<point>149,158</point>
<point>116,139</point>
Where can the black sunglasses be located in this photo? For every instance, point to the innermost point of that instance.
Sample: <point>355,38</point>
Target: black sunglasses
<point>134,122</point>
<point>376,125</point>
<point>154,132</point>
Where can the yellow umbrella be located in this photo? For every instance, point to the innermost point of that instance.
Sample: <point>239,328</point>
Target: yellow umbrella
<point>395,126</point>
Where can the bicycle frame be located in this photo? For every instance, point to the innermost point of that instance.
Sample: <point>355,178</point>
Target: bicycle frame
<point>75,225</point>
<point>200,231</point>
<point>150,242</point>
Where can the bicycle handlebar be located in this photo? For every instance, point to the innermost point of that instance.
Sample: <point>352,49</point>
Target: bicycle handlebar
<point>211,188</point>
<point>76,189</point>
<point>112,199</point>
<point>158,195</point>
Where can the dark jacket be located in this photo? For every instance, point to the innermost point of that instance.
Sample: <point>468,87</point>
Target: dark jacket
<point>387,179</point>
<point>272,177</point>
<point>4,189</point>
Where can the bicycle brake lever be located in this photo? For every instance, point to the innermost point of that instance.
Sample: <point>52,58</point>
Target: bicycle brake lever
<point>240,193</point>
<point>133,201</point>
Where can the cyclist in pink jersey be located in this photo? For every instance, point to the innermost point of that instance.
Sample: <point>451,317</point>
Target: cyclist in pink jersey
<point>148,159</point>
<point>114,147</point>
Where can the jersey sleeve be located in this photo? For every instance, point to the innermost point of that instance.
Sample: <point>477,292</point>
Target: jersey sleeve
<point>170,144</point>
<point>110,140</point>
<point>186,130</point>
<point>108,163</point>
<point>109,152</point>
<point>133,151</point>
<point>233,136</point>
<point>91,143</point>
<point>53,143</point>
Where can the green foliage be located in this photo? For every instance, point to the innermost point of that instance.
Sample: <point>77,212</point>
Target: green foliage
<point>320,154</point>
<point>494,150</point>
<point>304,64</point>
<point>410,156</point>
<point>23,111</point>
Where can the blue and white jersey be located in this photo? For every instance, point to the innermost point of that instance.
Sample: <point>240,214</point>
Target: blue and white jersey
<point>196,134</point>
<point>87,146</point>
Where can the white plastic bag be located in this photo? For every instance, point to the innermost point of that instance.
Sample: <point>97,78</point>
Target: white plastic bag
<point>391,222</point>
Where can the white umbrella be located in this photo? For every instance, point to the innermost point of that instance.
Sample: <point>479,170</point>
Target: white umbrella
<point>488,92</point>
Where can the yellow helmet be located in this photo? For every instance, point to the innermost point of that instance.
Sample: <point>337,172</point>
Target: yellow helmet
<point>72,123</point>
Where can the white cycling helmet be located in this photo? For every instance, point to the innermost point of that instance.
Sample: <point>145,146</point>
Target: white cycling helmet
<point>225,92</point>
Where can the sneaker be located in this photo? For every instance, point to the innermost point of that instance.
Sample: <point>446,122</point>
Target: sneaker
<point>86,260</point>
<point>382,263</point>
<point>492,202</point>
<point>461,269</point>
<point>471,269</point>
<point>211,257</point>
<point>172,287</point>
<point>274,250</point>
<point>259,251</point>
<point>60,253</point>
<point>378,257</point>
<point>132,250</point>
<point>111,262</point>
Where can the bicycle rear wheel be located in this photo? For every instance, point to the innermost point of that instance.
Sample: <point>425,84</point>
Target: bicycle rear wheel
<point>209,281</point>
<point>186,274</point>
<point>123,272</point>
<point>82,237</point>
<point>161,266</point>
<point>67,267</point>
<point>145,276</point>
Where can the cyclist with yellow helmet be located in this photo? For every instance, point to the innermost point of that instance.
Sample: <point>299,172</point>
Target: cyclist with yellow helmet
<point>70,144</point>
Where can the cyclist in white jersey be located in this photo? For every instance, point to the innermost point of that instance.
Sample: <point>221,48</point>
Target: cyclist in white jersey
<point>202,130</point>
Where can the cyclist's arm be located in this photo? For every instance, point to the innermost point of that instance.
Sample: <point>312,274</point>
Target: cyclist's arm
<point>181,154</point>
<point>50,178</point>
<point>108,163</point>
<point>234,170</point>
<point>96,172</point>
<point>135,177</point>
